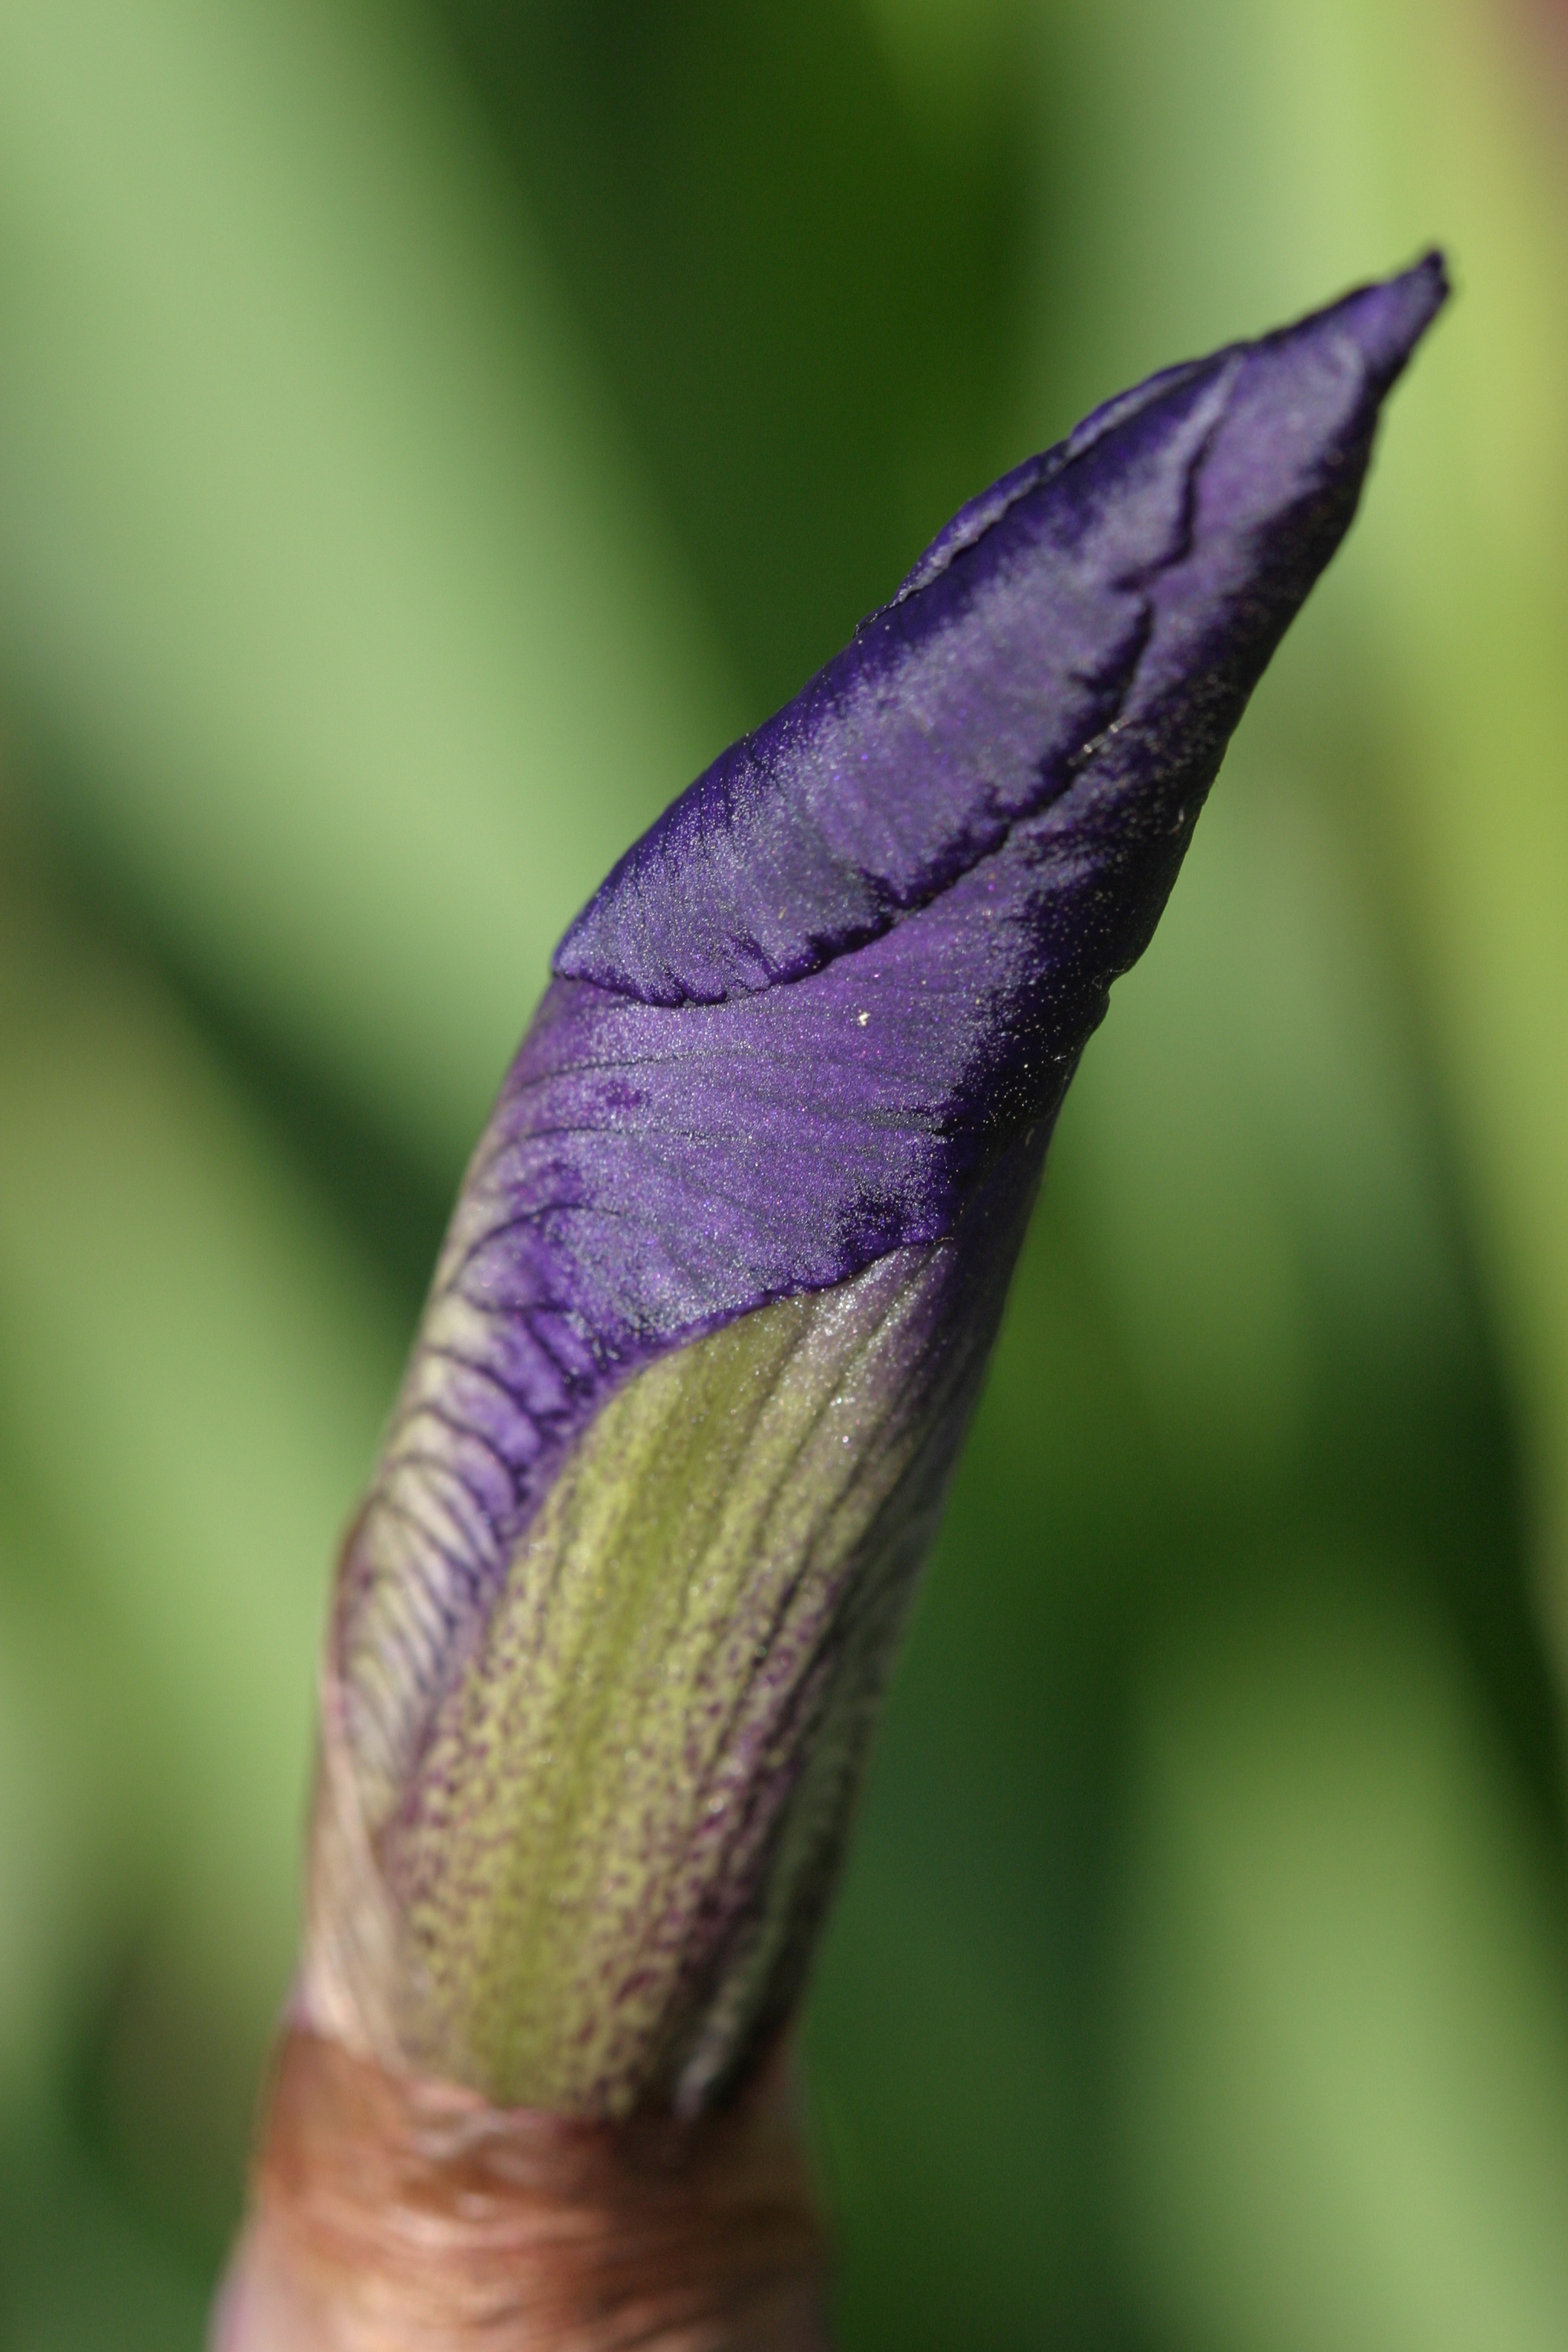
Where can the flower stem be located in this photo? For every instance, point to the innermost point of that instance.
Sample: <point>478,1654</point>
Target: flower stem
<point>391,2214</point>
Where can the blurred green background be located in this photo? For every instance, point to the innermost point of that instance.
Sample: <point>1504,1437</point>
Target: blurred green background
<point>428,431</point>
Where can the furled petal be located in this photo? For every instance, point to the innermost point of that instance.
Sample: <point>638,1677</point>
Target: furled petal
<point>723,1278</point>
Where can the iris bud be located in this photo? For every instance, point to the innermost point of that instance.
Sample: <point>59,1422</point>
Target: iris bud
<point>612,1625</point>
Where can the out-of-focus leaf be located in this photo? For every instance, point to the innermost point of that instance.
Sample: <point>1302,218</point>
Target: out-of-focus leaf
<point>792,235</point>
<point>77,2272</point>
<point>1470,573</point>
<point>1344,2080</point>
<point>74,1843</point>
<point>958,2214</point>
<point>331,598</point>
<point>1246,1152</point>
<point>1289,145</point>
<point>190,1378</point>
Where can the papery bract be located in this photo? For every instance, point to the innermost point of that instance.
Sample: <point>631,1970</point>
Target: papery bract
<point>722,1282</point>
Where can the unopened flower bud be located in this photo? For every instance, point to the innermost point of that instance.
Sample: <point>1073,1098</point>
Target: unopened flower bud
<point>612,1623</point>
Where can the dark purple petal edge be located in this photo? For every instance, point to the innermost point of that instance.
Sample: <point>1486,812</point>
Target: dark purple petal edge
<point>1142,571</point>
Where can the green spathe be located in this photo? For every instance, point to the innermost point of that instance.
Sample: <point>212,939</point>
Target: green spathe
<point>677,1687</point>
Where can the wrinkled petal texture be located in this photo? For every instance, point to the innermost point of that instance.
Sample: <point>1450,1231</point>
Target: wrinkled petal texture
<point>814,1029</point>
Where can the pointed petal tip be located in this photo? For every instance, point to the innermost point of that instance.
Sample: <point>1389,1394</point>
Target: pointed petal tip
<point>1388,318</point>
